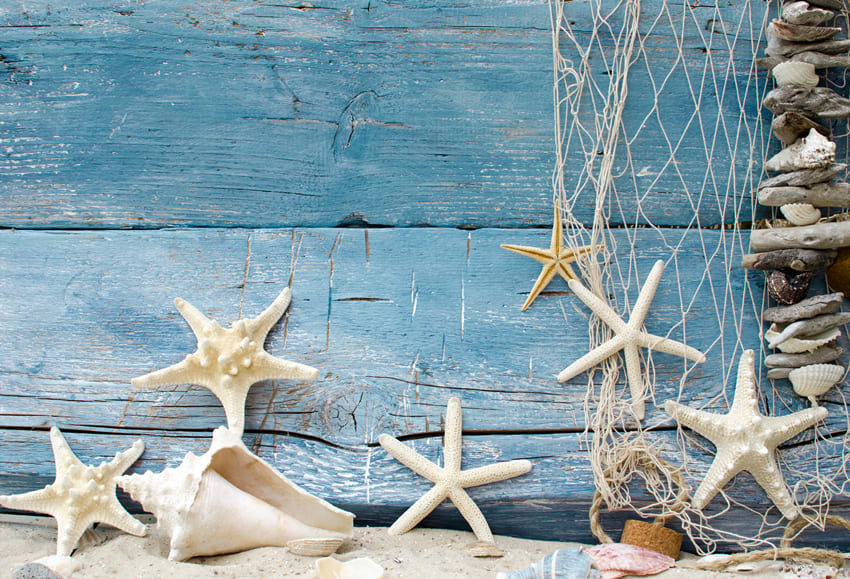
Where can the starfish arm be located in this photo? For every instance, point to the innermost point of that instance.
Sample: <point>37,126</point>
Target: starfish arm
<point>605,312</point>
<point>68,532</point>
<point>557,241</point>
<point>182,372</point>
<point>418,510</point>
<point>721,471</point>
<point>116,516</point>
<point>493,473</point>
<point>193,316</point>
<point>647,293</point>
<point>411,459</point>
<point>260,326</point>
<point>668,346</point>
<point>40,501</point>
<point>705,423</point>
<point>546,276</point>
<point>123,460</point>
<point>745,401</point>
<point>267,367</point>
<point>767,475</point>
<point>452,439</point>
<point>63,456</point>
<point>233,401</point>
<point>789,426</point>
<point>636,383</point>
<point>591,359</point>
<point>544,256</point>
<point>472,514</point>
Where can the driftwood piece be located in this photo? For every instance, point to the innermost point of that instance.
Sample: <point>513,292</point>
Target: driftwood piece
<point>821,355</point>
<point>808,308</point>
<point>818,101</point>
<point>817,236</point>
<point>790,126</point>
<point>828,4</point>
<point>819,195</point>
<point>777,46</point>
<point>796,259</point>
<point>778,373</point>
<point>788,286</point>
<point>805,177</point>
<point>818,59</point>
<point>803,13</point>
<point>802,32</point>
<point>810,327</point>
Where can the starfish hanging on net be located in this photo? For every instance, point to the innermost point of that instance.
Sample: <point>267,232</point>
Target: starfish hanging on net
<point>745,440</point>
<point>628,337</point>
<point>229,361</point>
<point>449,480</point>
<point>555,260</point>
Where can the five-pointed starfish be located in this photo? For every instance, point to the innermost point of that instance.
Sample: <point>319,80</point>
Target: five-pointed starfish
<point>555,260</point>
<point>229,361</point>
<point>745,440</point>
<point>449,480</point>
<point>628,337</point>
<point>80,495</point>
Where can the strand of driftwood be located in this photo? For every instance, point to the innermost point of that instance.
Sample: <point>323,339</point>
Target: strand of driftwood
<point>804,177</point>
<point>796,259</point>
<point>828,4</point>
<point>803,13</point>
<point>790,126</point>
<point>817,236</point>
<point>817,100</point>
<point>821,355</point>
<point>818,59</point>
<point>808,308</point>
<point>777,46</point>
<point>810,327</point>
<point>801,32</point>
<point>833,194</point>
<point>778,373</point>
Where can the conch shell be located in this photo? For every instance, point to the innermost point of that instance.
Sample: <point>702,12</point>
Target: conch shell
<point>815,379</point>
<point>793,72</point>
<point>810,152</point>
<point>800,213</point>
<point>229,500</point>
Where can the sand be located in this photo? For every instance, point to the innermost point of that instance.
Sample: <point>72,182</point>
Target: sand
<point>421,553</point>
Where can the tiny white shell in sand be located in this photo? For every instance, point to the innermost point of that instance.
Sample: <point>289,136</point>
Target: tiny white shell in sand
<point>800,213</point>
<point>815,379</point>
<point>798,345</point>
<point>793,72</point>
<point>362,568</point>
<point>229,500</point>
<point>810,152</point>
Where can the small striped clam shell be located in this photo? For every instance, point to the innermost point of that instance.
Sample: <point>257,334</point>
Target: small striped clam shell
<point>815,379</point>
<point>792,72</point>
<point>800,213</point>
<point>798,345</point>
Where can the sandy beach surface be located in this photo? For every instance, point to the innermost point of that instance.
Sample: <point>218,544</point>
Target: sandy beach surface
<point>421,553</point>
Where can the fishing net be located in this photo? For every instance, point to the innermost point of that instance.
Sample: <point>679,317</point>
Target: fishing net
<point>661,139</point>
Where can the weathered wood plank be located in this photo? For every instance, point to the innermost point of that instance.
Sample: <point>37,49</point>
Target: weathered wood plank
<point>250,114</point>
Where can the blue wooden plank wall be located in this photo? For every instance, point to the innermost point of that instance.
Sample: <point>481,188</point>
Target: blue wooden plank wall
<point>219,151</point>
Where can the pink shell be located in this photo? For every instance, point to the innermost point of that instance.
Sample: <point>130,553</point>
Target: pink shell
<point>618,559</point>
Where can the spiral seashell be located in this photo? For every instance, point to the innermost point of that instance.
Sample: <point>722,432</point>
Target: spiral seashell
<point>793,72</point>
<point>800,213</point>
<point>816,379</point>
<point>807,344</point>
<point>562,564</point>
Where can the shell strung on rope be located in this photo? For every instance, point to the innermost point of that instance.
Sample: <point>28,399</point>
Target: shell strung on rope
<point>362,568</point>
<point>816,379</point>
<point>793,72</point>
<point>802,13</point>
<point>228,500</point>
<point>800,213</point>
<point>813,151</point>
<point>807,344</point>
<point>566,563</point>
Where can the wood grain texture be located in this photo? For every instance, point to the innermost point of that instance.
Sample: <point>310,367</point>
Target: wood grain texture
<point>259,114</point>
<point>395,330</point>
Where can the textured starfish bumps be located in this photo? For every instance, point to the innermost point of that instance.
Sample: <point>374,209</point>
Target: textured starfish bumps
<point>449,480</point>
<point>628,338</point>
<point>745,440</point>
<point>80,495</point>
<point>229,361</point>
<point>555,260</point>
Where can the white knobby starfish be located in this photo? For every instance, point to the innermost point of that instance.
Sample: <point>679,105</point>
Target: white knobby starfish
<point>628,337</point>
<point>229,361</point>
<point>745,440</point>
<point>80,495</point>
<point>555,260</point>
<point>449,480</point>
